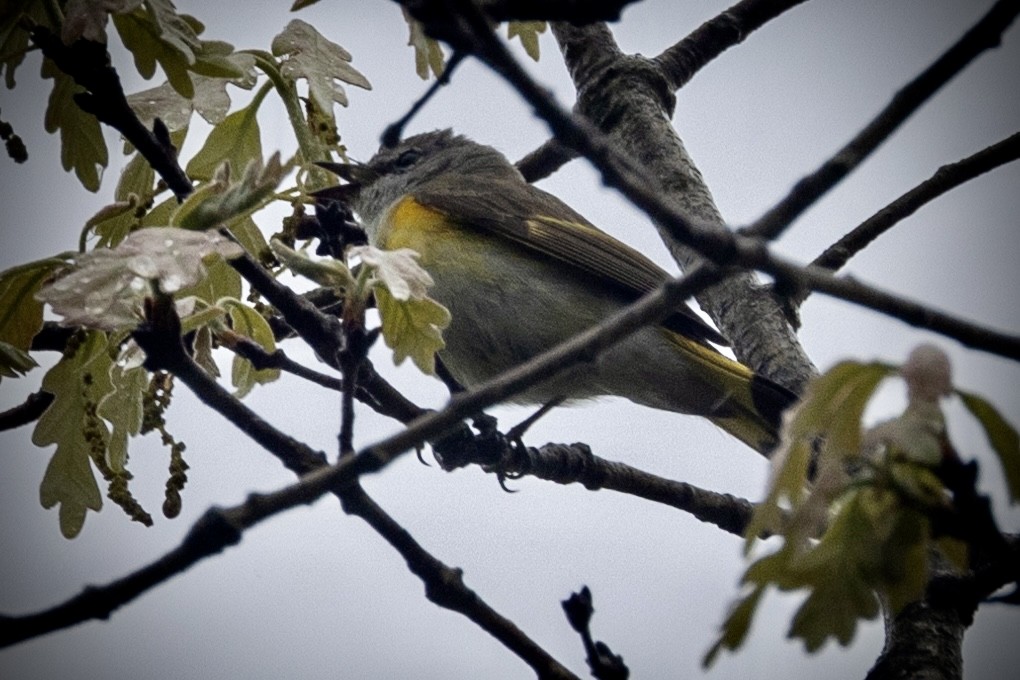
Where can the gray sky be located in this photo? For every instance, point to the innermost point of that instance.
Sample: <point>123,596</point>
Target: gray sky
<point>315,594</point>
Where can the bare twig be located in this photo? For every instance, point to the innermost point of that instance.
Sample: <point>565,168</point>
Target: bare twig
<point>945,178</point>
<point>27,411</point>
<point>445,586</point>
<point>576,464</point>
<point>731,27</point>
<point>984,35</point>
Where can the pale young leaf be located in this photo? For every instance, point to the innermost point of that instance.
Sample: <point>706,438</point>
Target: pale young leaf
<point>428,54</point>
<point>398,270</point>
<point>107,287</point>
<point>308,55</point>
<point>69,480</point>
<point>412,328</point>
<point>528,32</point>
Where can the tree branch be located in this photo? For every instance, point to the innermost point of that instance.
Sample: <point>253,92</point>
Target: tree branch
<point>445,586</point>
<point>947,177</point>
<point>730,28</point>
<point>984,35</point>
<point>26,412</point>
<point>89,64</point>
<point>576,464</point>
<point>160,338</point>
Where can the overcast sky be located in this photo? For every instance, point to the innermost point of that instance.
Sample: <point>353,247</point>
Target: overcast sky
<point>315,594</point>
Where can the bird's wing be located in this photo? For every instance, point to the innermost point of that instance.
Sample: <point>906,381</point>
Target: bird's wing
<point>542,223</point>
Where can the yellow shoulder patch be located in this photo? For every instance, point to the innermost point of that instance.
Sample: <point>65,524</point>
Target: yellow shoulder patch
<point>410,224</point>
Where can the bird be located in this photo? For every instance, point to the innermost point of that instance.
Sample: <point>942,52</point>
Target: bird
<point>521,271</point>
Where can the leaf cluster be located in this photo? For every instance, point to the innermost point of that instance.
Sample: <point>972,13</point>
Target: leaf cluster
<point>857,512</point>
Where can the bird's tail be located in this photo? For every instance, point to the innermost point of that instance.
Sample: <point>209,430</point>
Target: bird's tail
<point>750,407</point>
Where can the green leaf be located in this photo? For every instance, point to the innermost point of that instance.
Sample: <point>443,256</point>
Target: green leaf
<point>834,405</point>
<point>112,223</point>
<point>122,408</point>
<point>734,629</point>
<point>301,4</point>
<point>250,237</point>
<point>528,32</point>
<point>221,281</point>
<point>87,19</point>
<point>905,554</point>
<point>412,328</point>
<point>311,56</point>
<point>14,362</point>
<point>21,314</point>
<point>162,214</point>
<point>236,139</point>
<point>249,323</point>
<point>69,481</point>
<point>203,346</point>
<point>428,54</point>
<point>837,569</point>
<point>82,147</point>
<point>787,482</point>
<point>158,34</point>
<point>1001,435</point>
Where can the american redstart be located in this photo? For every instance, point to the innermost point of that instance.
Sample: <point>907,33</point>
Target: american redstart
<point>521,271</point>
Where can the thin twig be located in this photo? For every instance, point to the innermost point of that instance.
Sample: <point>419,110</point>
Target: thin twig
<point>729,28</point>
<point>576,464</point>
<point>984,35</point>
<point>445,586</point>
<point>27,411</point>
<point>947,177</point>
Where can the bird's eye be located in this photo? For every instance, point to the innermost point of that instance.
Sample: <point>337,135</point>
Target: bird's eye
<point>407,158</point>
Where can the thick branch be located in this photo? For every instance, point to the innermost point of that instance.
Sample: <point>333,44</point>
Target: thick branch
<point>629,98</point>
<point>984,35</point>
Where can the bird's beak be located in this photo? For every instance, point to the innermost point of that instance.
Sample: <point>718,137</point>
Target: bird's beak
<point>355,174</point>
